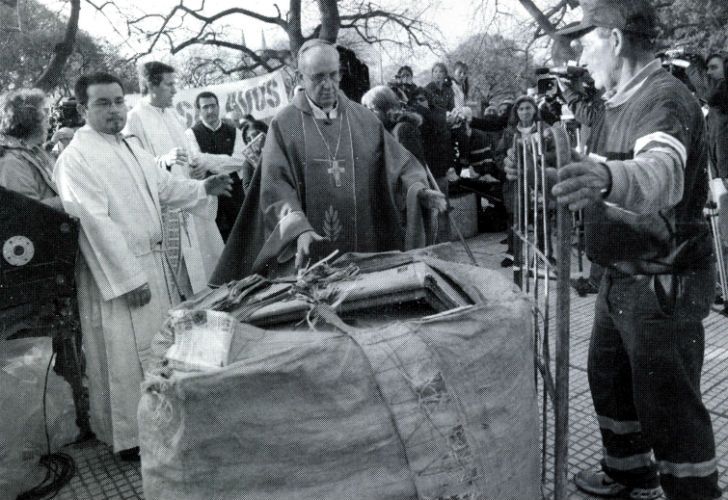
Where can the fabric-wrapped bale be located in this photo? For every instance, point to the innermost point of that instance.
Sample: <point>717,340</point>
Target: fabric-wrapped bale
<point>436,408</point>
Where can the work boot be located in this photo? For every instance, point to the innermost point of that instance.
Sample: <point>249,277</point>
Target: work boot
<point>601,485</point>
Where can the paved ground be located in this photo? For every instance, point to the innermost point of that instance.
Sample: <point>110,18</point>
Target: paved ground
<point>100,475</point>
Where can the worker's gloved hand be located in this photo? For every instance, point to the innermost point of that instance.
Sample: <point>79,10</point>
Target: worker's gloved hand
<point>582,182</point>
<point>303,246</point>
<point>432,200</point>
<point>138,297</point>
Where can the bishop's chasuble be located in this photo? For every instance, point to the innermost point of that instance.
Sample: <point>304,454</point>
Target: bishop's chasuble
<point>200,242</point>
<point>343,176</point>
<point>116,190</point>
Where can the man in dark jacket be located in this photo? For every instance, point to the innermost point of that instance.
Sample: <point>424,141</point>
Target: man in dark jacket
<point>220,148</point>
<point>643,196</point>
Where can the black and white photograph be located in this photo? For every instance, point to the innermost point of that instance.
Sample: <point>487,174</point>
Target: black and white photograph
<point>363,250</point>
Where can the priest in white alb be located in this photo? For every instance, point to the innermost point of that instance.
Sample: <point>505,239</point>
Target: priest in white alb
<point>124,285</point>
<point>194,240</point>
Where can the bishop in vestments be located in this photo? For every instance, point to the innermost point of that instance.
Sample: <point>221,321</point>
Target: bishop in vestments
<point>330,171</point>
<point>116,190</point>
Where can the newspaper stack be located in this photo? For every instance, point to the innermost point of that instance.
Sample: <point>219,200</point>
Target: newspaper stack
<point>201,340</point>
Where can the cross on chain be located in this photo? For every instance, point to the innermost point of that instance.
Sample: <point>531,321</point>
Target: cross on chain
<point>335,169</point>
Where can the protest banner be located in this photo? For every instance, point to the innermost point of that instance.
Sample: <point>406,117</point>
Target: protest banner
<point>262,96</point>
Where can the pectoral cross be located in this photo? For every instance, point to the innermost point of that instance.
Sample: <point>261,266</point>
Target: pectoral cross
<point>335,169</point>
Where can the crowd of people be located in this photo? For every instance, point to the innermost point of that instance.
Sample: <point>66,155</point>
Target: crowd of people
<point>166,210</point>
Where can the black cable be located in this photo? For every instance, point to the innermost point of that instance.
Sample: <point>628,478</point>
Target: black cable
<point>60,467</point>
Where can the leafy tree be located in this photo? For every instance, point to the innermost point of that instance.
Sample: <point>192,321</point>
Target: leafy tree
<point>25,55</point>
<point>499,67</point>
<point>699,24</point>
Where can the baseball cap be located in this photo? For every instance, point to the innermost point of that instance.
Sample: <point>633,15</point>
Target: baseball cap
<point>635,16</point>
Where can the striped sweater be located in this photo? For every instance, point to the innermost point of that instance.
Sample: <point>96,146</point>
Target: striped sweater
<point>654,144</point>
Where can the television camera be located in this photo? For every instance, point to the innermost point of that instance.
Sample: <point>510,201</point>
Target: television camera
<point>38,250</point>
<point>546,78</point>
<point>678,60</point>
<point>65,114</point>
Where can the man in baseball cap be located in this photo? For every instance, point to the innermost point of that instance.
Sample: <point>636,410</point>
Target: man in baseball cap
<point>634,16</point>
<point>643,192</point>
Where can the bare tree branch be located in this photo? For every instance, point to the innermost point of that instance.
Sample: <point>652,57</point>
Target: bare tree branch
<point>191,23</point>
<point>330,20</point>
<point>260,62</point>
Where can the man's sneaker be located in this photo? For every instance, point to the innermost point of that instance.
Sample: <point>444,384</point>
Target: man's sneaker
<point>601,485</point>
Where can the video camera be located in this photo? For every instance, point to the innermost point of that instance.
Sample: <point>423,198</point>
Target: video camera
<point>677,61</point>
<point>546,84</point>
<point>65,114</point>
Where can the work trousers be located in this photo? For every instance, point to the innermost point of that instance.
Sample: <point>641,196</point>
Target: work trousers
<point>645,362</point>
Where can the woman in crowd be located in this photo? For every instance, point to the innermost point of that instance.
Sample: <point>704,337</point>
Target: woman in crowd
<point>404,125</point>
<point>251,129</point>
<point>460,84</point>
<point>440,88</point>
<point>523,124</point>
<point>25,166</point>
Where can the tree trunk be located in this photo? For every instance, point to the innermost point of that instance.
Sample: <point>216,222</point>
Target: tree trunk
<point>53,74</point>
<point>561,51</point>
<point>330,20</point>
<point>543,21</point>
<point>295,35</point>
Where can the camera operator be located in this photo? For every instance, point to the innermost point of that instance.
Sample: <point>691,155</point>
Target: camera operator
<point>643,204</point>
<point>65,121</point>
<point>549,104</point>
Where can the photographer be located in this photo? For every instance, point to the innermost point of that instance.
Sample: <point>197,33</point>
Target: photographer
<point>65,120</point>
<point>549,105</point>
<point>643,202</point>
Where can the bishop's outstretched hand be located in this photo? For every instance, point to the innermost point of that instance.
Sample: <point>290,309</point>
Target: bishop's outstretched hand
<point>303,246</point>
